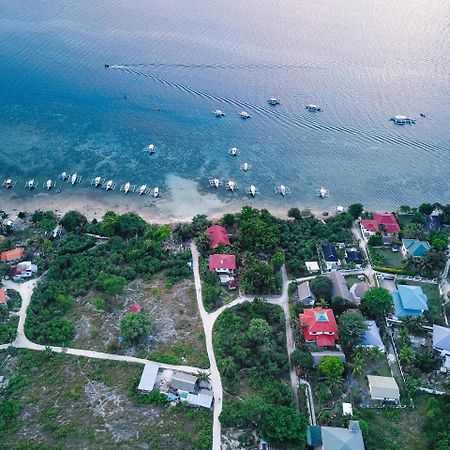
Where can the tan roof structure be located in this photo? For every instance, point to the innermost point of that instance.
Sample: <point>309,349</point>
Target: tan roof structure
<point>383,388</point>
<point>12,255</point>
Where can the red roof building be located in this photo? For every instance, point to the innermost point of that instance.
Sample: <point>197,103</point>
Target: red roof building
<point>371,226</point>
<point>12,255</point>
<point>217,235</point>
<point>319,326</point>
<point>135,308</point>
<point>2,296</point>
<point>222,263</point>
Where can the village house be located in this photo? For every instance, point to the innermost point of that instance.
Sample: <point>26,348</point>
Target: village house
<point>13,255</point>
<point>383,388</point>
<point>217,235</point>
<point>340,287</point>
<point>312,266</point>
<point>372,337</point>
<point>305,294</point>
<point>433,223</point>
<point>335,438</point>
<point>184,382</point>
<point>319,326</point>
<point>385,223</point>
<point>330,257</point>
<point>23,270</point>
<point>409,301</point>
<point>353,256</point>
<point>441,339</point>
<point>414,248</point>
<point>3,298</point>
<point>222,264</point>
<point>148,378</point>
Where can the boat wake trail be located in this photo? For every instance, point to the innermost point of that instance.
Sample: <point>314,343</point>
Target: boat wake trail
<point>300,121</point>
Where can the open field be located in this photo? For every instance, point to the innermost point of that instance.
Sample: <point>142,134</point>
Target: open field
<point>387,258</point>
<point>56,401</point>
<point>177,328</point>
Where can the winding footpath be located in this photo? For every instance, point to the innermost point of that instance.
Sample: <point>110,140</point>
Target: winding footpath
<point>26,289</point>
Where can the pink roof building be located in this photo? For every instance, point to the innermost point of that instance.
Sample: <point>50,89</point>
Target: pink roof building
<point>217,235</point>
<point>371,226</point>
<point>320,326</point>
<point>222,263</point>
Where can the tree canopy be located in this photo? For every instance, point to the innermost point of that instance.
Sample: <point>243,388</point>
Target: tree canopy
<point>351,327</point>
<point>376,302</point>
<point>355,210</point>
<point>73,221</point>
<point>134,326</point>
<point>332,368</point>
<point>322,287</point>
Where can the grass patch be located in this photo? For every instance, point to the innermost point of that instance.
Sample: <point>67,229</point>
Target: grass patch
<point>8,327</point>
<point>435,299</point>
<point>56,401</point>
<point>181,354</point>
<point>387,258</point>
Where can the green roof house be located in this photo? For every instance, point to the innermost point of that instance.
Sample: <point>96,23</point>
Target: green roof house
<point>409,301</point>
<point>414,248</point>
<point>335,438</point>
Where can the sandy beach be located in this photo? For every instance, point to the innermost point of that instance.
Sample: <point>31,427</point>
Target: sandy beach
<point>179,203</point>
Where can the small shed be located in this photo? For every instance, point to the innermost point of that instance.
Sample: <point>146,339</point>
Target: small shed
<point>312,266</point>
<point>148,378</point>
<point>183,381</point>
<point>383,388</point>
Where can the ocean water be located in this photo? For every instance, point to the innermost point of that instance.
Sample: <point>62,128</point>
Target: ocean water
<point>176,61</point>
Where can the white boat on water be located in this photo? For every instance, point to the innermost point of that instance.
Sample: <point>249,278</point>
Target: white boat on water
<point>155,192</point>
<point>64,176</point>
<point>31,184</point>
<point>313,108</point>
<point>127,188</point>
<point>252,190</point>
<point>143,190</point>
<point>231,185</point>
<point>49,184</point>
<point>109,185</point>
<point>234,151</point>
<point>151,148</point>
<point>273,101</point>
<point>75,178</point>
<point>218,113</point>
<point>215,182</point>
<point>322,192</point>
<point>282,190</point>
<point>97,181</point>
<point>402,120</point>
<point>246,166</point>
<point>9,183</point>
<point>245,115</point>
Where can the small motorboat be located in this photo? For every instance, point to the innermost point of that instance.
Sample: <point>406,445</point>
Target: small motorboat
<point>402,120</point>
<point>322,192</point>
<point>151,149</point>
<point>313,108</point>
<point>246,167</point>
<point>97,182</point>
<point>143,190</point>
<point>282,190</point>
<point>234,151</point>
<point>215,182</point>
<point>126,188</point>
<point>75,178</point>
<point>9,183</point>
<point>245,115</point>
<point>252,190</point>
<point>218,113</point>
<point>64,176</point>
<point>155,192</point>
<point>109,185</point>
<point>273,101</point>
<point>49,184</point>
<point>231,185</point>
<point>31,184</point>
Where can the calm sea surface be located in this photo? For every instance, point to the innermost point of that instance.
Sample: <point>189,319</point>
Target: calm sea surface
<point>362,62</point>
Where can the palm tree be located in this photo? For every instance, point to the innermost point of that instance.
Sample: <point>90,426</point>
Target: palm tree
<point>406,355</point>
<point>358,363</point>
<point>203,376</point>
<point>375,352</point>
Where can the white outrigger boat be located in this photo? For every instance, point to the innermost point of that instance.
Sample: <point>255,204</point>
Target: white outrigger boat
<point>143,190</point>
<point>313,108</point>
<point>155,192</point>
<point>231,185</point>
<point>97,182</point>
<point>127,187</point>
<point>273,101</point>
<point>322,192</point>
<point>9,183</point>
<point>246,166</point>
<point>215,182</point>
<point>64,176</point>
<point>49,184</point>
<point>109,185</point>
<point>218,113</point>
<point>252,190</point>
<point>282,190</point>
<point>402,120</point>
<point>245,115</point>
<point>234,151</point>
<point>75,178</point>
<point>31,184</point>
<point>151,149</point>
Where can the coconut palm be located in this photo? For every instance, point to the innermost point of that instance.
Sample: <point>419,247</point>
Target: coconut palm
<point>406,355</point>
<point>203,376</point>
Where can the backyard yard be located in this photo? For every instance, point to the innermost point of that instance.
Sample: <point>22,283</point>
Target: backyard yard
<point>385,257</point>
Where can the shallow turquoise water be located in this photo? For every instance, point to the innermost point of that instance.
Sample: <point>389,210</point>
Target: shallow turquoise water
<point>361,61</point>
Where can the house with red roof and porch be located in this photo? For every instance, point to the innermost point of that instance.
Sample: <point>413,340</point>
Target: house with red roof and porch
<point>383,222</point>
<point>319,326</point>
<point>222,264</point>
<point>217,235</point>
